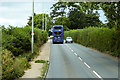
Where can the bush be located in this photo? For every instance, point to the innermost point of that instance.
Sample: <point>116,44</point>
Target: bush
<point>19,66</point>
<point>103,39</point>
<point>7,65</point>
<point>40,36</point>
<point>18,40</point>
<point>12,67</point>
<point>16,43</point>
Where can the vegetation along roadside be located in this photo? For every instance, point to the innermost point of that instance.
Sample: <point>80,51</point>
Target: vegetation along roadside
<point>16,53</point>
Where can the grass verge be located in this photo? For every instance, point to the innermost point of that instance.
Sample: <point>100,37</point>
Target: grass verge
<point>44,69</point>
<point>40,61</point>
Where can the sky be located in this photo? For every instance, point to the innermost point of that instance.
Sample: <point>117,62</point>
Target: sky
<point>17,12</point>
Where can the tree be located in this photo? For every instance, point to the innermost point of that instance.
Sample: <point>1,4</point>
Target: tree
<point>38,21</point>
<point>92,20</point>
<point>80,14</point>
<point>77,19</point>
<point>80,20</point>
<point>58,9</point>
<point>89,7</point>
<point>112,12</point>
<point>49,23</point>
<point>63,21</point>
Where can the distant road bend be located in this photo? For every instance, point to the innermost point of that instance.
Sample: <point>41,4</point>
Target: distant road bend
<point>76,61</point>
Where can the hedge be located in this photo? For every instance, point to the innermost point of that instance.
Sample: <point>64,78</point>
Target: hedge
<point>103,39</point>
<point>18,40</point>
<point>16,44</point>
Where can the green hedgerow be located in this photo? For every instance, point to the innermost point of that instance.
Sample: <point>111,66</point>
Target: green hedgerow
<point>16,43</point>
<point>7,65</point>
<point>103,39</point>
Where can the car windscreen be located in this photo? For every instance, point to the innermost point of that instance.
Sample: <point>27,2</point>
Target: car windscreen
<point>57,33</point>
<point>68,38</point>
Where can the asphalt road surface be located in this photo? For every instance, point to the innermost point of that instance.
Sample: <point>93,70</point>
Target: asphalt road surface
<point>71,60</point>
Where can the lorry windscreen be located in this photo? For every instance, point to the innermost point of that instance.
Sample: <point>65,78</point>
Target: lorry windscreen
<point>57,33</point>
<point>57,27</point>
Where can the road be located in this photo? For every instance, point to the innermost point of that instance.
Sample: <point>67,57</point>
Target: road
<point>76,61</point>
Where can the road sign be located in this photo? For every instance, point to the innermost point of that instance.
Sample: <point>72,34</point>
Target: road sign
<point>32,33</point>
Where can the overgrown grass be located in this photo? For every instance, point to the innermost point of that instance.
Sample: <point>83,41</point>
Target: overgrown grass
<point>44,69</point>
<point>103,39</point>
<point>40,61</point>
<point>7,65</point>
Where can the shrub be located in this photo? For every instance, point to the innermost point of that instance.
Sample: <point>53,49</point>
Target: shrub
<point>18,40</point>
<point>7,65</point>
<point>17,53</point>
<point>12,67</point>
<point>19,66</point>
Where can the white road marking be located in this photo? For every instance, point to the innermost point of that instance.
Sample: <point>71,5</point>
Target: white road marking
<point>97,75</point>
<point>75,54</point>
<point>80,58</point>
<point>86,64</point>
<point>72,50</point>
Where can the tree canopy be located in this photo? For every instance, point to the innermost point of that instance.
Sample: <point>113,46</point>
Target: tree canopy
<point>80,14</point>
<point>112,12</point>
<point>38,21</point>
<point>63,21</point>
<point>80,20</point>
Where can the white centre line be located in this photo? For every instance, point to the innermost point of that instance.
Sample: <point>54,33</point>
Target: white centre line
<point>72,50</point>
<point>75,54</point>
<point>86,64</point>
<point>80,58</point>
<point>97,75</point>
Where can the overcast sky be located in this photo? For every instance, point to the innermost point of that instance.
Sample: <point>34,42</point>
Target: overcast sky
<point>16,12</point>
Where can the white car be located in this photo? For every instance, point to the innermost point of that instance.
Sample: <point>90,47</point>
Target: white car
<point>51,37</point>
<point>68,40</point>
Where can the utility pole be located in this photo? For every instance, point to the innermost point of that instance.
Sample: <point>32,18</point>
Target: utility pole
<point>43,22</point>
<point>32,25</point>
<point>43,18</point>
<point>46,20</point>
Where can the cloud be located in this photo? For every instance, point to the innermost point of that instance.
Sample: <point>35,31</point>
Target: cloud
<point>17,13</point>
<point>13,22</point>
<point>7,21</point>
<point>29,0</point>
<point>15,7</point>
